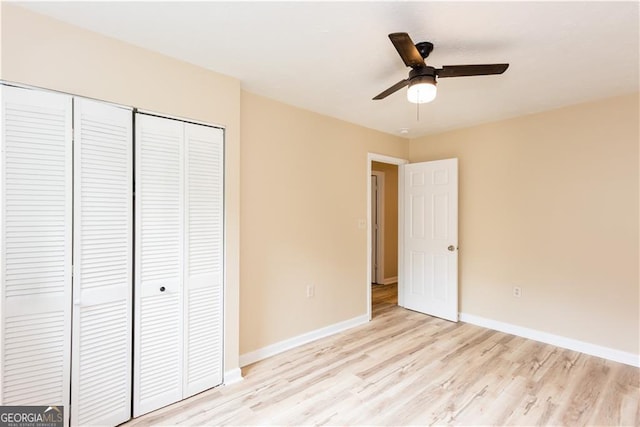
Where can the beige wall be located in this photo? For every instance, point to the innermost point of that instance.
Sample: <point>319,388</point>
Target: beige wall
<point>304,188</point>
<point>549,202</point>
<point>390,217</point>
<point>39,51</point>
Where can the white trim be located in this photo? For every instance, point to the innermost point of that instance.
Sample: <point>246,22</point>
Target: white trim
<point>380,231</point>
<point>180,119</point>
<point>42,89</point>
<point>390,280</point>
<point>557,340</point>
<point>394,161</point>
<point>383,158</point>
<point>232,376</point>
<point>401,204</point>
<point>288,344</point>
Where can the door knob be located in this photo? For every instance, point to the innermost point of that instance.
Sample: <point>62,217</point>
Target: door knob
<point>162,288</point>
<point>451,248</point>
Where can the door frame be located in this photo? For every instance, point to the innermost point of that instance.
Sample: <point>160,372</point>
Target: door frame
<point>371,157</point>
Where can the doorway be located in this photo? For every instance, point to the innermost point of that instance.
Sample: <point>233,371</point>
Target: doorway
<point>384,223</point>
<point>427,235</point>
<point>383,236</point>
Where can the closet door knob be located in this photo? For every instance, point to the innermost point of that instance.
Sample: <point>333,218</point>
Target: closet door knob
<point>162,288</point>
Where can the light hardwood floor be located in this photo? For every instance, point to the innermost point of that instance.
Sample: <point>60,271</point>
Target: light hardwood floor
<point>405,368</point>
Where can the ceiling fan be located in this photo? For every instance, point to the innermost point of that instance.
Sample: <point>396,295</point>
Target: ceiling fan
<point>422,77</point>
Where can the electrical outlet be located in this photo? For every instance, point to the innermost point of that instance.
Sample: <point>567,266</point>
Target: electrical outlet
<point>311,291</point>
<point>517,292</point>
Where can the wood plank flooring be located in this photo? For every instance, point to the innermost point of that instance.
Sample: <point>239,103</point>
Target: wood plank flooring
<point>405,368</point>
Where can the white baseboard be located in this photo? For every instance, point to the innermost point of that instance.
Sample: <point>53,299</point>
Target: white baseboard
<point>390,280</point>
<point>232,376</point>
<point>557,340</point>
<point>279,347</point>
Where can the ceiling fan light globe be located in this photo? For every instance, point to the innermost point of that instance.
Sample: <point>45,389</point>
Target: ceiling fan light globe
<point>421,93</point>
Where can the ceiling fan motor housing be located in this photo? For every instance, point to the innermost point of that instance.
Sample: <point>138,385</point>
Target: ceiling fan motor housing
<point>422,75</point>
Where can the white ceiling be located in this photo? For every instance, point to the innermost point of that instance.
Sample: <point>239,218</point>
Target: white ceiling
<point>333,57</point>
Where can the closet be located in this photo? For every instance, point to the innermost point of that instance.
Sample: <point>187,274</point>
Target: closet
<point>179,235</point>
<point>68,336</point>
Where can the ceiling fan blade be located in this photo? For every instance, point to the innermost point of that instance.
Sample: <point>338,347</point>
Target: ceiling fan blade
<point>407,50</point>
<point>396,87</point>
<point>471,70</point>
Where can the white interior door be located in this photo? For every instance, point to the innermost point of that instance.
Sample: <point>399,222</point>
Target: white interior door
<point>203,285</point>
<point>159,235</point>
<point>430,234</point>
<point>36,214</point>
<point>102,307</point>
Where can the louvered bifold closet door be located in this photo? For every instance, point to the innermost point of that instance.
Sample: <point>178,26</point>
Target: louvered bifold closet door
<point>102,294</point>
<point>35,330</point>
<point>159,239</point>
<point>204,258</point>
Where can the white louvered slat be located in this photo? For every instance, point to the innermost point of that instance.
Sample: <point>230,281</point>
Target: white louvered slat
<point>31,351</point>
<point>161,317</point>
<point>204,357</point>
<point>159,263</point>
<point>204,262</point>
<point>104,379</point>
<point>35,294</point>
<point>101,371</point>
